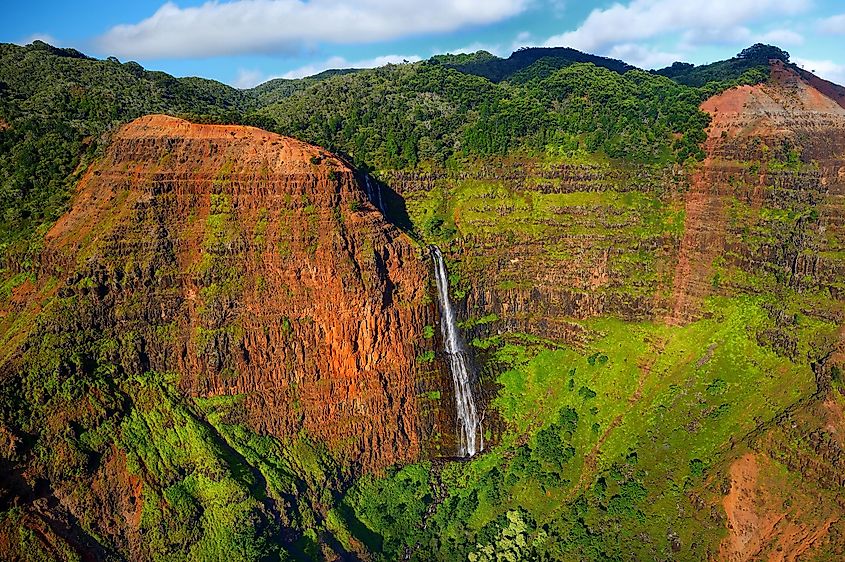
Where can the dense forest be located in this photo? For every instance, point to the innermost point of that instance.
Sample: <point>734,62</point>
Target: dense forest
<point>58,107</point>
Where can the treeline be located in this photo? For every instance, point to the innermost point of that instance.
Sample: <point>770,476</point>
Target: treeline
<point>58,107</point>
<point>498,69</point>
<point>430,114</point>
<point>749,66</point>
<point>56,110</point>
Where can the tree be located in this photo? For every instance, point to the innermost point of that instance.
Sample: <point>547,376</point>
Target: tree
<point>760,53</point>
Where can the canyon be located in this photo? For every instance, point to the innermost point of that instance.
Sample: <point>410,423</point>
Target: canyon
<point>270,273</point>
<point>235,331</point>
<point>248,265</point>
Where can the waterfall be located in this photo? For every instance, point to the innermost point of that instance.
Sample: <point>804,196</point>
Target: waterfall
<point>369,187</point>
<point>471,439</point>
<point>374,198</point>
<point>380,201</point>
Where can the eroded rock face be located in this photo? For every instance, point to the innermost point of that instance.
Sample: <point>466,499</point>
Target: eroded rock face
<point>753,130</point>
<point>254,265</point>
<point>769,519</point>
<point>544,244</point>
<point>541,245</point>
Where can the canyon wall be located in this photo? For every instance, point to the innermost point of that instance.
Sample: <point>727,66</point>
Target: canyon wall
<point>543,247</point>
<point>543,244</point>
<point>253,265</point>
<point>255,270</point>
<point>766,207</point>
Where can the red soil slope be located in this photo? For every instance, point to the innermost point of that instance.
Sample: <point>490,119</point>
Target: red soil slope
<point>749,124</point>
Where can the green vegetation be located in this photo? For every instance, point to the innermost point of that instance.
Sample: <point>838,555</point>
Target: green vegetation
<point>668,401</point>
<point>429,114</point>
<point>650,388</point>
<point>748,67</point>
<point>525,63</point>
<point>610,446</point>
<point>209,487</point>
<point>502,215</point>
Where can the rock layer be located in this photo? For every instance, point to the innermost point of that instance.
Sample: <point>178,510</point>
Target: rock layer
<point>754,130</point>
<point>544,244</point>
<point>254,265</point>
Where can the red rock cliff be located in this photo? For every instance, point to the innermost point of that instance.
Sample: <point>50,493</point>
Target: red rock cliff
<point>253,264</point>
<point>795,116</point>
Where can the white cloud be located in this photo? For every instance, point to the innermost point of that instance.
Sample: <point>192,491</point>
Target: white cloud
<point>340,62</point>
<point>523,39</point>
<point>833,24</point>
<point>739,35</point>
<point>642,56</point>
<point>47,38</point>
<point>781,37</point>
<point>646,19</point>
<point>827,69</point>
<point>250,26</point>
<point>728,35</point>
<point>558,7</point>
<point>247,78</point>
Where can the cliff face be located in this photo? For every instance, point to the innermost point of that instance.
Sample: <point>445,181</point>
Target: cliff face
<point>250,271</point>
<point>547,248</point>
<point>773,149</point>
<point>253,265</point>
<point>253,271</point>
<point>545,243</point>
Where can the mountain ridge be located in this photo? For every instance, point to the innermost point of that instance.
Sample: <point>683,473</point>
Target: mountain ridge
<point>226,347</point>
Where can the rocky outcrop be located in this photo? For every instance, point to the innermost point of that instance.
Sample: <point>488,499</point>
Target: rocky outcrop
<point>255,269</point>
<point>777,146</point>
<point>768,520</point>
<point>253,265</point>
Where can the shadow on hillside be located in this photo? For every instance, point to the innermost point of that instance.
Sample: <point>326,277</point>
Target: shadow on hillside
<point>396,211</point>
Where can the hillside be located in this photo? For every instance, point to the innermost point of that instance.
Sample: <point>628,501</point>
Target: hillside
<point>660,308</point>
<point>190,259</point>
<point>60,107</point>
<point>752,60</point>
<point>219,341</point>
<point>524,61</point>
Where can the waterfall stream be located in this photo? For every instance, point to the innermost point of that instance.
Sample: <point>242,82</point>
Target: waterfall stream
<point>471,439</point>
<point>376,198</point>
<point>368,187</point>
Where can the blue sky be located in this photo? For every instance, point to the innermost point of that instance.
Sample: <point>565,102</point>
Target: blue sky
<point>245,42</point>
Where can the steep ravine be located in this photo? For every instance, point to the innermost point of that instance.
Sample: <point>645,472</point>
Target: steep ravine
<point>254,273</point>
<point>547,250</point>
<point>214,292</point>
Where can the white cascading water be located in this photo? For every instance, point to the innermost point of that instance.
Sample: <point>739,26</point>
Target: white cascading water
<point>369,188</point>
<point>380,201</point>
<point>374,198</point>
<point>471,439</point>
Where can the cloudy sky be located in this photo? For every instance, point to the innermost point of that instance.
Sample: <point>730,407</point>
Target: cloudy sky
<point>245,42</point>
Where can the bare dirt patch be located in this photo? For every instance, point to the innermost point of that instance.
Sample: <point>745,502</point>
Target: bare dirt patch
<point>768,520</point>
